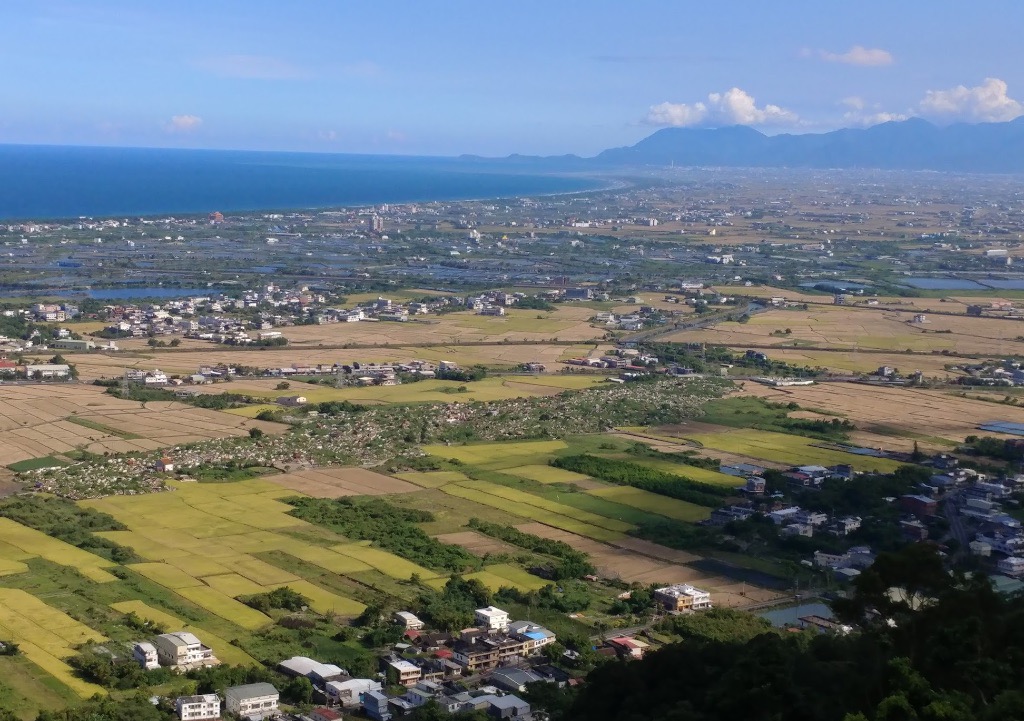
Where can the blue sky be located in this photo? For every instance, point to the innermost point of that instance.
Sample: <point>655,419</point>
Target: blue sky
<point>444,77</point>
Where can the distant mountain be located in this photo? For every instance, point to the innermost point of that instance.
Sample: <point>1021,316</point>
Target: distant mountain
<point>912,144</point>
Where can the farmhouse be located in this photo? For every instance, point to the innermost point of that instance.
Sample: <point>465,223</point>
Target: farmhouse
<point>253,700</point>
<point>198,708</point>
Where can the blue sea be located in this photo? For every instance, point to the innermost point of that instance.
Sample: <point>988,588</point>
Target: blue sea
<point>39,182</point>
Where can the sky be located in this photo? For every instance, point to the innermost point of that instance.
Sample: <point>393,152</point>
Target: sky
<point>447,77</point>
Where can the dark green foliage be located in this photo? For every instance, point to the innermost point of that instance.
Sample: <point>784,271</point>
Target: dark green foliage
<point>123,674</point>
<point>627,473</point>
<point>717,625</point>
<point>534,302</point>
<point>568,597</point>
<point>282,598</point>
<point>214,679</point>
<point>572,563</point>
<point>132,708</point>
<point>751,412</point>
<point>954,654</point>
<point>70,523</point>
<point>999,448</point>
<point>336,408</point>
<point>389,527</point>
<point>452,608</point>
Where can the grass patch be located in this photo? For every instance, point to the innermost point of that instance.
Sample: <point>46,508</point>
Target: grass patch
<point>96,426</point>
<point>789,450</point>
<point>34,464</point>
<point>653,503</point>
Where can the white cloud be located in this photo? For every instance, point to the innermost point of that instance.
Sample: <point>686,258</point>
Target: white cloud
<point>853,102</point>
<point>251,67</point>
<point>183,124</point>
<point>859,55</point>
<point>733,107</point>
<point>985,103</point>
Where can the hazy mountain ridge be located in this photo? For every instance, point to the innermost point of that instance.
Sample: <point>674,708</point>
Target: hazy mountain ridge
<point>912,144</point>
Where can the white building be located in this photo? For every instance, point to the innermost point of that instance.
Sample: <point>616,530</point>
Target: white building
<point>182,649</point>
<point>1011,566</point>
<point>253,700</point>
<point>347,693</point>
<point>198,708</point>
<point>48,370</point>
<point>683,597</point>
<point>145,654</point>
<point>409,621</point>
<point>491,618</point>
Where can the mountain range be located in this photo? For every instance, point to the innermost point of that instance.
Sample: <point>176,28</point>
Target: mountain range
<point>913,144</point>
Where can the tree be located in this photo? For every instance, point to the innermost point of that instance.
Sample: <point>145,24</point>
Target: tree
<point>283,386</point>
<point>255,432</point>
<point>299,690</point>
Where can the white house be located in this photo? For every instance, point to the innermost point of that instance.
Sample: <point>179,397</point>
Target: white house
<point>198,708</point>
<point>491,618</point>
<point>145,654</point>
<point>253,700</point>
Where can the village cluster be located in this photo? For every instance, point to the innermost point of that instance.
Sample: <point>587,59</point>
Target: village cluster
<point>483,667</point>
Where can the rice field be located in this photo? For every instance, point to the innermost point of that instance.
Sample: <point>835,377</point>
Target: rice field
<point>387,563</point>
<point>546,474</point>
<point>499,455</point>
<point>653,503</point>
<point>787,449</point>
<point>534,513</point>
<point>521,497</point>
<point>29,543</point>
<point>224,651</point>
<point>46,636</point>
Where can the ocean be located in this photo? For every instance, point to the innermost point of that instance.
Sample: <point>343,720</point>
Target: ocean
<point>51,182</point>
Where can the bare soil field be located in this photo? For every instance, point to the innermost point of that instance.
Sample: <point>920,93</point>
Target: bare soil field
<point>477,543</point>
<point>338,482</point>
<point>108,365</point>
<point>633,559</point>
<point>34,422</point>
<point>889,411</point>
<point>866,328</point>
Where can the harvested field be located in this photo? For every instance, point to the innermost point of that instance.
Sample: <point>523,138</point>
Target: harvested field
<point>432,479</point>
<point>338,482</point>
<point>894,411</point>
<point>865,328</point>
<point>477,543</point>
<point>98,365</point>
<point>635,560</point>
<point>34,422</point>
